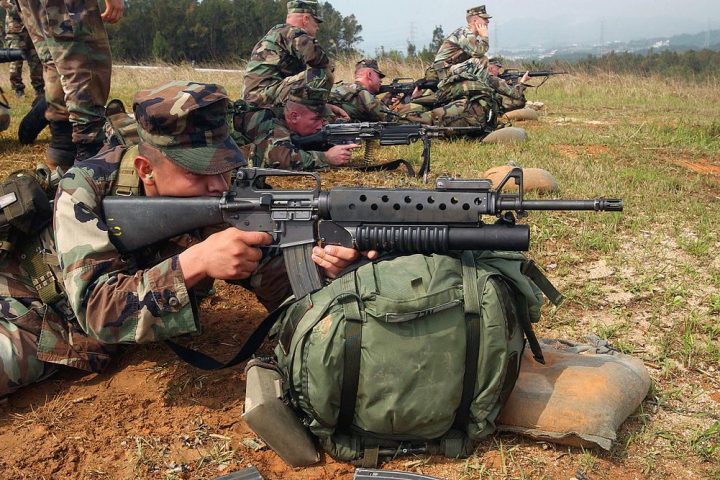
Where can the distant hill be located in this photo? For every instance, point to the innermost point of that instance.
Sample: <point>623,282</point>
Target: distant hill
<point>678,43</point>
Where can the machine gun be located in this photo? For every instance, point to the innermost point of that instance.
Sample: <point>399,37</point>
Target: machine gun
<point>512,75</point>
<point>8,55</point>
<point>385,219</point>
<point>385,133</point>
<point>406,86</point>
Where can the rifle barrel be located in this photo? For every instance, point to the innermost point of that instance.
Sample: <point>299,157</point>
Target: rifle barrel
<point>597,204</point>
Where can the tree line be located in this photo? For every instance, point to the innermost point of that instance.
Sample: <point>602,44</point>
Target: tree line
<point>698,64</point>
<point>214,31</point>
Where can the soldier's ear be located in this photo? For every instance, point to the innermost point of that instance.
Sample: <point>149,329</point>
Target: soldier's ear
<point>144,169</point>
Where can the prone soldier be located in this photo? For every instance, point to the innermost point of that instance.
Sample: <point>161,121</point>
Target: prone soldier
<point>304,113</point>
<point>95,297</point>
<point>358,99</point>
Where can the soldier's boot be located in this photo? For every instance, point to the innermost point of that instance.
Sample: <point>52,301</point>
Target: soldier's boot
<point>34,122</point>
<point>61,151</point>
<point>87,150</point>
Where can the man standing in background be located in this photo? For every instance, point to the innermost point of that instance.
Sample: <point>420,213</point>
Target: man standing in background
<point>16,36</point>
<point>72,43</point>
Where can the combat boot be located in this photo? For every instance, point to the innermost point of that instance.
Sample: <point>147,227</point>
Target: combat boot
<point>61,151</point>
<point>34,122</point>
<point>87,150</point>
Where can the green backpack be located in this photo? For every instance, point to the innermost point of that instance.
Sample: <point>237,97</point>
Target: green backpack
<point>417,353</point>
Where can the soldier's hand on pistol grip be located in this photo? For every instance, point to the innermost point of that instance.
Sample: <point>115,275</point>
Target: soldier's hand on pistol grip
<point>231,254</point>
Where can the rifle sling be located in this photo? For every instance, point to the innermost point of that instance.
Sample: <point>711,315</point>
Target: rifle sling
<point>252,344</point>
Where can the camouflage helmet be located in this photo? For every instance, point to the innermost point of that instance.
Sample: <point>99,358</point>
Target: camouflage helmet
<point>186,121</point>
<point>312,98</point>
<point>478,11</point>
<point>369,63</point>
<point>305,6</point>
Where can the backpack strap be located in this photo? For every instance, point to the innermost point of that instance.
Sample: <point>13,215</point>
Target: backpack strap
<point>127,183</point>
<point>472,293</point>
<point>353,342</point>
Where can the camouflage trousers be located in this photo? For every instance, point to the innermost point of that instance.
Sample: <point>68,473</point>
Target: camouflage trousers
<point>34,65</point>
<point>276,94</point>
<point>72,43</point>
<point>20,325</point>
<point>464,112</point>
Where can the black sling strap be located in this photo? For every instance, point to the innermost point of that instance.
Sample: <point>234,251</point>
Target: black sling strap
<point>251,345</point>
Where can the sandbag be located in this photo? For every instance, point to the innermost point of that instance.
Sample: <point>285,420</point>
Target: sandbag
<point>523,115</point>
<point>507,135</point>
<point>534,179</point>
<point>580,397</point>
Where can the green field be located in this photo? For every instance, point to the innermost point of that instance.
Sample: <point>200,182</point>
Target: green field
<point>648,280</point>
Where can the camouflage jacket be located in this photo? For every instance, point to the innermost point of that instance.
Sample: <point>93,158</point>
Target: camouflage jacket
<point>283,52</point>
<point>14,27</point>
<point>272,147</point>
<point>459,46</point>
<point>116,298</point>
<point>512,97</point>
<point>360,104</point>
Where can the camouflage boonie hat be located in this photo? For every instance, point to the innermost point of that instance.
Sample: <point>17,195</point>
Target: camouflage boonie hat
<point>187,122</point>
<point>312,98</point>
<point>478,11</point>
<point>305,6</point>
<point>369,63</point>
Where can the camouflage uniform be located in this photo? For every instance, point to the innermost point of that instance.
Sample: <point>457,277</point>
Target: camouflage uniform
<point>511,97</point>
<point>464,112</point>
<point>272,145</point>
<point>72,43</point>
<point>118,298</point>
<point>17,36</point>
<point>360,104</point>
<point>285,58</point>
<point>458,51</point>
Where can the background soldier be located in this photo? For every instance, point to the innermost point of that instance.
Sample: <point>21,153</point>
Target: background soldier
<point>304,114</point>
<point>512,96</point>
<point>358,99</point>
<point>466,45</point>
<point>288,56</point>
<point>72,43</point>
<point>17,36</point>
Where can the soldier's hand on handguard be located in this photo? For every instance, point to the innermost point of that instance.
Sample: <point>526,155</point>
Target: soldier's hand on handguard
<point>340,154</point>
<point>231,254</point>
<point>525,78</point>
<point>333,259</point>
<point>114,10</point>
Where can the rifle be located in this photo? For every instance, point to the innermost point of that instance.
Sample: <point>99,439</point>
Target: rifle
<point>11,55</point>
<point>385,219</point>
<point>387,133</point>
<point>406,86</point>
<point>513,75</point>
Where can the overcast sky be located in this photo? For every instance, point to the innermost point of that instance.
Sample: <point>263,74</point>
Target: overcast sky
<point>518,23</point>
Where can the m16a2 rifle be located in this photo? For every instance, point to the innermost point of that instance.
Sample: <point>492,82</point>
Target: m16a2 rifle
<point>512,76</point>
<point>406,221</point>
<point>386,133</point>
<point>406,86</point>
